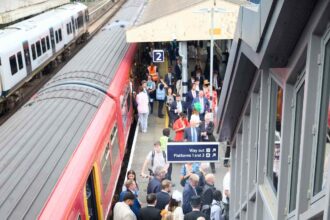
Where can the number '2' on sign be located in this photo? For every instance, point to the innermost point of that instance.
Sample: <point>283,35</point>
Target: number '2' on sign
<point>158,56</point>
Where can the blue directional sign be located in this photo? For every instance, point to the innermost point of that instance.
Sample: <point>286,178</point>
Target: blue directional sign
<point>181,152</point>
<point>158,56</point>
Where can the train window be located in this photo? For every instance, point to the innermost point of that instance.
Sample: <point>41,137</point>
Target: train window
<point>70,27</point>
<point>87,15</point>
<point>76,23</point>
<point>38,48</point>
<point>106,167</point>
<point>13,64</point>
<point>48,43</point>
<point>60,34</point>
<point>33,48</point>
<point>56,36</point>
<point>20,60</point>
<point>114,144</point>
<point>80,20</point>
<point>91,197</point>
<point>125,105</point>
<point>67,29</point>
<point>0,61</point>
<point>43,44</point>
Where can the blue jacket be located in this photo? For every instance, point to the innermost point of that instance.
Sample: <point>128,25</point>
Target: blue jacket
<point>154,186</point>
<point>136,205</point>
<point>188,192</point>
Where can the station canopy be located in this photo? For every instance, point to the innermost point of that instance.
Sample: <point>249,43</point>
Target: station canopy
<point>185,20</point>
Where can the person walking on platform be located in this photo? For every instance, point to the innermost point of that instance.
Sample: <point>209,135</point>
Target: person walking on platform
<point>169,100</point>
<point>122,210</point>
<point>176,108</point>
<point>191,95</point>
<point>155,184</point>
<point>150,212</point>
<point>189,191</point>
<point>163,197</point>
<point>207,128</point>
<point>160,96</point>
<point>151,88</point>
<point>131,188</point>
<point>142,101</point>
<point>207,194</point>
<point>204,103</point>
<point>178,69</point>
<point>195,212</point>
<point>217,207</point>
<point>192,133</point>
<point>163,146</point>
<point>153,73</point>
<point>170,79</point>
<point>179,125</point>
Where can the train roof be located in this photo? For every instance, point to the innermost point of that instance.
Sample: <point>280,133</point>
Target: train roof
<point>19,31</point>
<point>38,141</point>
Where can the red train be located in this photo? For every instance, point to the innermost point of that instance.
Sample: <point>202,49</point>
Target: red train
<point>61,154</point>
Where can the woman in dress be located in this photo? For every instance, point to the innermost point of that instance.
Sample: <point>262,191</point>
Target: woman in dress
<point>169,100</point>
<point>179,125</point>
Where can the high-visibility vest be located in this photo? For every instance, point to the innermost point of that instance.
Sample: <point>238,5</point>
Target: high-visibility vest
<point>153,73</point>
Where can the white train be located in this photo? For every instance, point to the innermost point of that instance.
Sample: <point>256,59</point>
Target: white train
<point>28,46</point>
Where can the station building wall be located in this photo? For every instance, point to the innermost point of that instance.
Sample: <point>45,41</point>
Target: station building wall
<point>278,82</point>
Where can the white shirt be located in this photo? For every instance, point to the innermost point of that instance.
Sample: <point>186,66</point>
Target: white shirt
<point>179,107</point>
<point>122,211</point>
<point>226,186</point>
<point>159,160</point>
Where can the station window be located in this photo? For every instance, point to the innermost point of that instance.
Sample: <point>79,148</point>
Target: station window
<point>56,36</point>
<point>106,167</point>
<point>274,135</point>
<point>13,64</point>
<point>20,60</point>
<point>43,44</point>
<point>323,142</point>
<point>60,34</point>
<point>38,48</point>
<point>299,100</point>
<point>33,49</point>
<point>48,43</point>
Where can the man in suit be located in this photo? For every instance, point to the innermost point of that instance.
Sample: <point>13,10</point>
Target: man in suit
<point>170,79</point>
<point>176,108</point>
<point>207,128</point>
<point>195,203</point>
<point>191,95</point>
<point>205,105</point>
<point>178,69</point>
<point>207,194</point>
<point>155,185</point>
<point>188,192</point>
<point>122,210</point>
<point>131,187</point>
<point>150,212</point>
<point>163,197</point>
<point>192,133</point>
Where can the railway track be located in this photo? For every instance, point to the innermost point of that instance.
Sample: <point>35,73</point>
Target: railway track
<point>98,18</point>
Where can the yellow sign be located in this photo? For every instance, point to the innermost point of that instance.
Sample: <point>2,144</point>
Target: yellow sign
<point>216,31</point>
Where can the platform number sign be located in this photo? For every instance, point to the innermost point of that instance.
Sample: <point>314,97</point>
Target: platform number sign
<point>158,56</point>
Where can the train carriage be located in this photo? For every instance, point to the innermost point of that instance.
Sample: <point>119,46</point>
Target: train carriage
<point>61,154</point>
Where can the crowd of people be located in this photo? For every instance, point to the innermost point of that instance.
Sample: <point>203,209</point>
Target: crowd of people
<point>191,120</point>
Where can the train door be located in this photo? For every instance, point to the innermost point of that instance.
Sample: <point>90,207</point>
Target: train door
<point>73,26</point>
<point>27,57</point>
<point>92,198</point>
<point>52,39</point>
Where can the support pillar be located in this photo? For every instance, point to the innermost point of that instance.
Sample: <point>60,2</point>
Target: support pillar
<point>183,51</point>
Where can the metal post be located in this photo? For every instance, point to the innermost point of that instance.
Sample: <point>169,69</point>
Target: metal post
<point>183,53</point>
<point>211,50</point>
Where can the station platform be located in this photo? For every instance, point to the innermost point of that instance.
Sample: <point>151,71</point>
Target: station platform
<point>143,144</point>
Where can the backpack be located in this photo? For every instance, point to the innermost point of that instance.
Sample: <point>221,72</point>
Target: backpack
<point>153,157</point>
<point>223,212</point>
